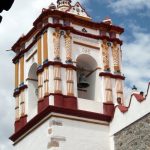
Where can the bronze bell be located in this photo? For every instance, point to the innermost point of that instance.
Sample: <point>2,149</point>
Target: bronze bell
<point>82,81</point>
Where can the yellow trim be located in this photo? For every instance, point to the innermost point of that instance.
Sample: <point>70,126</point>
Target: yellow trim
<point>39,51</point>
<point>16,75</point>
<point>45,46</point>
<point>22,69</point>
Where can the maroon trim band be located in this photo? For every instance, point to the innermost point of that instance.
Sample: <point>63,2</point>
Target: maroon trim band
<point>50,109</point>
<point>115,76</point>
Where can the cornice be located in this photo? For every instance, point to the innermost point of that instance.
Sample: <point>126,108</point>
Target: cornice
<point>63,15</point>
<point>72,30</point>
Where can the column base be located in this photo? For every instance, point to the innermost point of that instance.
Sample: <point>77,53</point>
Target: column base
<point>65,101</point>
<point>43,104</point>
<point>108,109</point>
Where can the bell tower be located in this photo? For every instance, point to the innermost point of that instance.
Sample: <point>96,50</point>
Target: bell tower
<point>68,77</point>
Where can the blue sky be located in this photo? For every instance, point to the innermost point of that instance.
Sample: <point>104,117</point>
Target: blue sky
<point>133,15</point>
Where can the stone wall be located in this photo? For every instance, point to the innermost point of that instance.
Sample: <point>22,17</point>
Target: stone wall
<point>134,137</point>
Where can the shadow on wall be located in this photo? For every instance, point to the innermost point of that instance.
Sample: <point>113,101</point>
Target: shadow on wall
<point>5,5</point>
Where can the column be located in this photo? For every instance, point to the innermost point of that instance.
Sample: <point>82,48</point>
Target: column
<point>57,79</point>
<point>22,70</point>
<point>68,46</point>
<point>119,89</point>
<point>39,50</point>
<point>40,86</point>
<point>108,90</point>
<point>116,57</point>
<point>17,115</point>
<point>16,75</point>
<point>56,41</point>
<point>45,58</point>
<point>40,79</point>
<point>70,82</point>
<point>22,103</point>
<point>22,93</point>
<point>45,47</point>
<point>46,81</point>
<point>105,53</point>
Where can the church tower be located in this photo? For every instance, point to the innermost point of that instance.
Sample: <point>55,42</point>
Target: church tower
<point>68,78</point>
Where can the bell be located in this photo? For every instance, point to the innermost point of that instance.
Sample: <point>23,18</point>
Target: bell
<point>82,81</point>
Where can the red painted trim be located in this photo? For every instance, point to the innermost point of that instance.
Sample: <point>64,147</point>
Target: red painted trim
<point>55,63</point>
<point>63,28</point>
<point>139,98</point>
<point>65,101</point>
<point>49,13</point>
<point>122,108</point>
<point>112,75</point>
<point>43,104</point>
<point>51,109</point>
<point>20,123</point>
<point>108,109</point>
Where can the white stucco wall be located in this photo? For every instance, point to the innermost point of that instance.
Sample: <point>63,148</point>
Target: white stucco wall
<point>77,135</point>
<point>136,111</point>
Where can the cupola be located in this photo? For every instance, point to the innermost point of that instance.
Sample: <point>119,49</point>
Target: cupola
<point>63,5</point>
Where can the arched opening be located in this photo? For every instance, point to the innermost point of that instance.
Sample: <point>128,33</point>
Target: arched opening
<point>86,76</point>
<point>32,91</point>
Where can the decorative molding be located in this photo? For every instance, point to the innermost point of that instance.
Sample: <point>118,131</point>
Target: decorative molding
<point>86,45</point>
<point>55,63</point>
<point>103,74</point>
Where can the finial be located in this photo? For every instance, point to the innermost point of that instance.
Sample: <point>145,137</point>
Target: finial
<point>52,6</point>
<point>108,20</point>
<point>134,88</point>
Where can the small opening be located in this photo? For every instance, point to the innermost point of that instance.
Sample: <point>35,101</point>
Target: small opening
<point>32,91</point>
<point>55,21</point>
<point>86,76</point>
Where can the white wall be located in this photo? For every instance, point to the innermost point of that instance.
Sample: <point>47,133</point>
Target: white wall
<point>78,135</point>
<point>135,112</point>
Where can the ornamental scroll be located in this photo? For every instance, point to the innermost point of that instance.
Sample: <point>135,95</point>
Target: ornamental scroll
<point>116,58</point>
<point>56,40</point>
<point>105,53</point>
<point>68,46</point>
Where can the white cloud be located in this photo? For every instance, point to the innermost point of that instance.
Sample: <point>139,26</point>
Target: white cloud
<point>126,6</point>
<point>136,55</point>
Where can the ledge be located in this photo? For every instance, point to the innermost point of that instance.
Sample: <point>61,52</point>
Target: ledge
<point>53,109</point>
<point>115,76</point>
